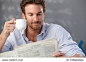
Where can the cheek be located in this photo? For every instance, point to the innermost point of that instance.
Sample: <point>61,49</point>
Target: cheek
<point>41,18</point>
<point>29,19</point>
<point>28,22</point>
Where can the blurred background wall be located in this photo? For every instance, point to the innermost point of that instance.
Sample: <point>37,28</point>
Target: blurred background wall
<point>71,14</point>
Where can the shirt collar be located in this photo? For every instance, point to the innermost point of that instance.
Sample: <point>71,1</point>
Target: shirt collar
<point>23,32</point>
<point>42,31</point>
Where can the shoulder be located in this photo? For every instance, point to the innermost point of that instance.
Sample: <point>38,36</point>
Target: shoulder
<point>56,30</point>
<point>53,27</point>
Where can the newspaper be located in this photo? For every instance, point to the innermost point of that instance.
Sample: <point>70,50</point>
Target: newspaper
<point>43,48</point>
<point>8,54</point>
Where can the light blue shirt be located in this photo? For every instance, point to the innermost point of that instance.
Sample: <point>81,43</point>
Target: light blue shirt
<point>64,39</point>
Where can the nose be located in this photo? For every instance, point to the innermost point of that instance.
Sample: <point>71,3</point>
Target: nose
<point>35,18</point>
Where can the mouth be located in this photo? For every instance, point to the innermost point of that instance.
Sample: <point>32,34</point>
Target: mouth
<point>36,23</point>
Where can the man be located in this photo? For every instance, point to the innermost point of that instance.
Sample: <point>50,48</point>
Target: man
<point>34,12</point>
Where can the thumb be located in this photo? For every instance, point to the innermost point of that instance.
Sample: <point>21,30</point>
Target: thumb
<point>13,20</point>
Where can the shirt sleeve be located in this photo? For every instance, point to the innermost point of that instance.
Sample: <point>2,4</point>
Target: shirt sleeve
<point>66,44</point>
<point>7,47</point>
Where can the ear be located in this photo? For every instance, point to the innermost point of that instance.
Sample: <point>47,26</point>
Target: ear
<point>23,15</point>
<point>44,14</point>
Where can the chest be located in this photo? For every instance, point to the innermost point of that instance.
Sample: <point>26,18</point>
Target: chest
<point>34,39</point>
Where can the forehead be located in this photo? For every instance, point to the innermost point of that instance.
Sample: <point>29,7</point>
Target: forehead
<point>33,8</point>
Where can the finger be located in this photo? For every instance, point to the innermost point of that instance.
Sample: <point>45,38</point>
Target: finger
<point>14,20</point>
<point>11,21</point>
<point>11,28</point>
<point>10,25</point>
<point>10,31</point>
<point>7,32</point>
<point>63,55</point>
<point>58,54</point>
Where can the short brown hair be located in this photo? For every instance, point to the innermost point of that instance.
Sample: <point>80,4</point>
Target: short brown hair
<point>25,2</point>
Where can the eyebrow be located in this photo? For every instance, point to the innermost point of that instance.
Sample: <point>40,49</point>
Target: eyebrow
<point>37,13</point>
<point>40,12</point>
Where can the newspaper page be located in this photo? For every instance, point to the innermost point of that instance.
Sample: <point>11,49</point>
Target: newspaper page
<point>44,48</point>
<point>8,54</point>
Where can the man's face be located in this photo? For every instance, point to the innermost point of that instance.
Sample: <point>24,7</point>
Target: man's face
<point>34,15</point>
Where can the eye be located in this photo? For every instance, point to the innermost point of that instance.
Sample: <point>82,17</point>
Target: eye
<point>30,14</point>
<point>39,14</point>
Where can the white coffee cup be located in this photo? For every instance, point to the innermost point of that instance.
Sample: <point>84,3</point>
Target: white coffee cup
<point>20,24</point>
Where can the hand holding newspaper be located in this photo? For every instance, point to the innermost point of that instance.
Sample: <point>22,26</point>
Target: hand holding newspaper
<point>43,48</point>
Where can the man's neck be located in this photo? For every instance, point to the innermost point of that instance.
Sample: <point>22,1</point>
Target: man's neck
<point>31,34</point>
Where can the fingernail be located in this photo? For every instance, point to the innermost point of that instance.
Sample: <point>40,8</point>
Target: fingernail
<point>53,55</point>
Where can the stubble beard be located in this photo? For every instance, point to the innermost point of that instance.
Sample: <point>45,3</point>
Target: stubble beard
<point>34,27</point>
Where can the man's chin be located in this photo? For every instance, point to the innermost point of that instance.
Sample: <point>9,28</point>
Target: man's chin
<point>36,28</point>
